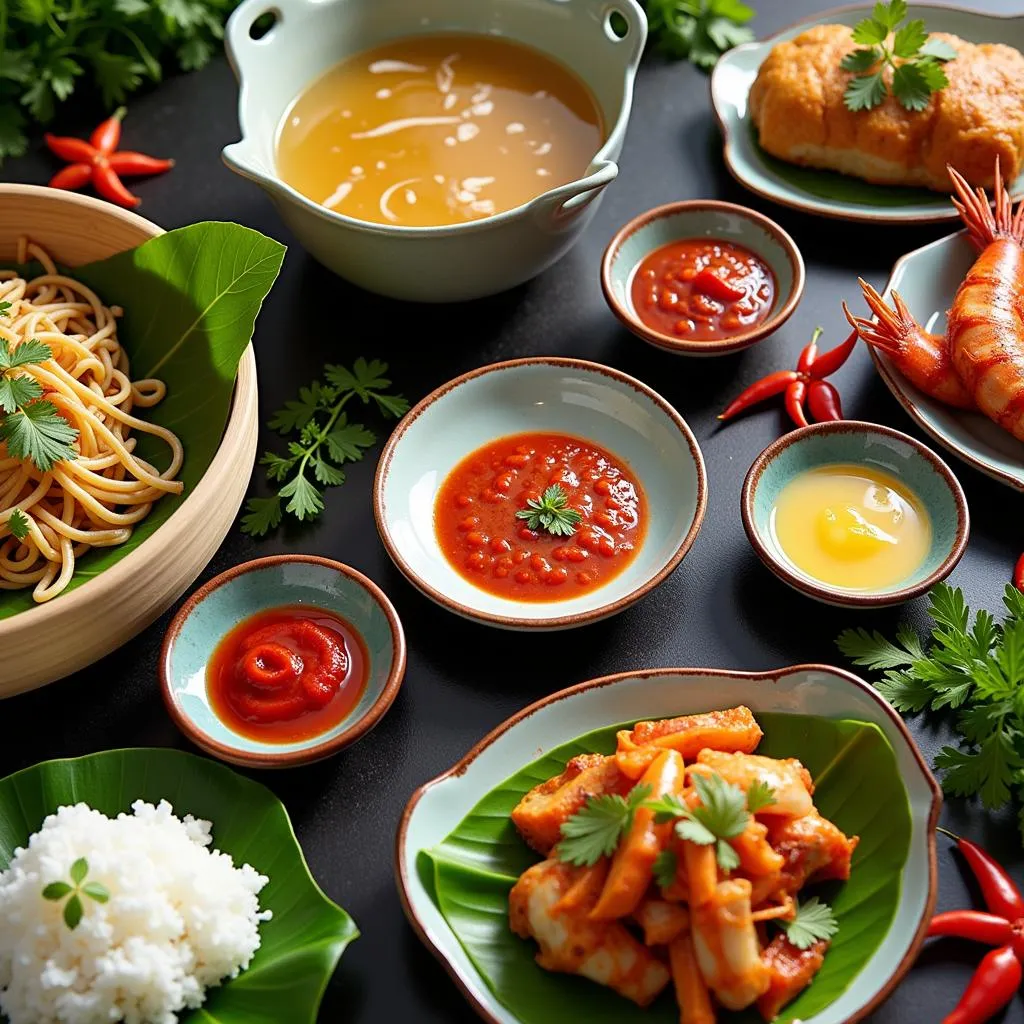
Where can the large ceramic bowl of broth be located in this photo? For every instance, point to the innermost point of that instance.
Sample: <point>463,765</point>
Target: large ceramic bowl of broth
<point>434,152</point>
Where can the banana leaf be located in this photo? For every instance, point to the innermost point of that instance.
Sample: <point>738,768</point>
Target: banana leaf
<point>190,299</point>
<point>303,941</point>
<point>858,786</point>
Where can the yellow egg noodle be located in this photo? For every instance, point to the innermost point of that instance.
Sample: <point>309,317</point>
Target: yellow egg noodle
<point>96,499</point>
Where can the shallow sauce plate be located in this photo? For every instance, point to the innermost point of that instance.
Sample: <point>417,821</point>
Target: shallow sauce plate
<point>927,280</point>
<point>829,193</point>
<point>440,805</point>
<point>564,396</point>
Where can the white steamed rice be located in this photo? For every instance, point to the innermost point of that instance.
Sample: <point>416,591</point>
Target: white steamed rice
<point>180,919</point>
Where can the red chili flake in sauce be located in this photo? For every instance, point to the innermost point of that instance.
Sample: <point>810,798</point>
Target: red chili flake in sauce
<point>477,529</point>
<point>287,674</point>
<point>703,289</point>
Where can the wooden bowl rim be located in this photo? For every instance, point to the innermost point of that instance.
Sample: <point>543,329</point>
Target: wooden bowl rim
<point>83,600</point>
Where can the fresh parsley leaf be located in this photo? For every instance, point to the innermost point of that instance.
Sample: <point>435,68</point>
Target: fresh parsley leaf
<point>18,524</point>
<point>859,61</point>
<point>728,859</point>
<point>595,829</point>
<point>667,808</point>
<point>910,86</point>
<point>910,38</point>
<point>938,49</point>
<point>759,796</point>
<point>117,75</point>
<point>814,922</point>
<point>865,92</point>
<point>904,692</point>
<point>551,513</point>
<point>723,806</point>
<point>872,649</point>
<point>39,434</point>
<point>666,864</point>
<point>698,30</point>
<point>695,831</point>
<point>322,440</point>
<point>16,391</point>
<point>4,308</point>
<point>870,32</point>
<point>31,351</point>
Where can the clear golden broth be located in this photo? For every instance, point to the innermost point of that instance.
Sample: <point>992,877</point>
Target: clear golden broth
<point>852,526</point>
<point>438,129</point>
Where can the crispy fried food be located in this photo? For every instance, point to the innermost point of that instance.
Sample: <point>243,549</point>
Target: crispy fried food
<point>813,848</point>
<point>791,970</point>
<point>539,816</point>
<point>797,105</point>
<point>551,903</point>
<point>789,779</point>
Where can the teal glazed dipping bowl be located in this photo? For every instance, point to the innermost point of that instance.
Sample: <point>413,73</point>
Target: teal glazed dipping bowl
<point>261,585</point>
<point>701,218</point>
<point>864,444</point>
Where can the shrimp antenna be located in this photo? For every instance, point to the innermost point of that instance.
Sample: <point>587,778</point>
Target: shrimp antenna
<point>983,225</point>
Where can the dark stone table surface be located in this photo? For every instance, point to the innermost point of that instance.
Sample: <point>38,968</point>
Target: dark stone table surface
<point>721,608</point>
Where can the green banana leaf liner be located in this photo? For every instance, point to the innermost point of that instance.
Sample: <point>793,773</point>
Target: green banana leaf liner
<point>858,786</point>
<point>190,299</point>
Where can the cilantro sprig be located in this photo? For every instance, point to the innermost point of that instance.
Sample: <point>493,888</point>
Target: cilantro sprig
<point>323,441</point>
<point>595,829</point>
<point>73,892</point>
<point>18,524</point>
<point>972,672</point>
<point>912,57</point>
<point>813,922</point>
<point>698,30</point>
<point>30,426</point>
<point>552,513</point>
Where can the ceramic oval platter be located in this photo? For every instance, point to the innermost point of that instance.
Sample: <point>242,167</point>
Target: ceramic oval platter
<point>828,193</point>
<point>458,854</point>
<point>927,279</point>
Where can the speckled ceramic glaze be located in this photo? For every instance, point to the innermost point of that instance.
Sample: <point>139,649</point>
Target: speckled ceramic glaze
<point>438,807</point>
<point>828,193</point>
<point>565,396</point>
<point>431,264</point>
<point>928,279</point>
<point>258,586</point>
<point>849,441</point>
<point>701,218</point>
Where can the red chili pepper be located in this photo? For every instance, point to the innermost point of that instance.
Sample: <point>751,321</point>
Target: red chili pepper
<point>795,402</point>
<point>823,401</point>
<point>828,362</point>
<point>108,134</point>
<point>997,978</point>
<point>810,353</point>
<point>128,162</point>
<point>1018,573</point>
<point>101,164</point>
<point>998,889</point>
<point>766,387</point>
<point>990,929</point>
<point>712,285</point>
<point>71,177</point>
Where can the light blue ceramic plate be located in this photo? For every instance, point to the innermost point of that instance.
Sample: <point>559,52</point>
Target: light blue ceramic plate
<point>850,441</point>
<point>928,279</point>
<point>256,586</point>
<point>565,396</point>
<point>701,218</point>
<point>828,193</point>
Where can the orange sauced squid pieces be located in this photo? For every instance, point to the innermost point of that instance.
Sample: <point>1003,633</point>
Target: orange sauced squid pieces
<point>681,858</point>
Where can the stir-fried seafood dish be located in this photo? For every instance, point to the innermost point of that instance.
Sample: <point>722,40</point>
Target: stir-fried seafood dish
<point>679,858</point>
<point>978,363</point>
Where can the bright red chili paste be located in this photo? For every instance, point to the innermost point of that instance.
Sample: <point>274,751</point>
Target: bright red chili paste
<point>703,289</point>
<point>479,533</point>
<point>287,674</point>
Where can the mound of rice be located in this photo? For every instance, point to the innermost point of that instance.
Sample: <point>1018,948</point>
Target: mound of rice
<point>180,919</point>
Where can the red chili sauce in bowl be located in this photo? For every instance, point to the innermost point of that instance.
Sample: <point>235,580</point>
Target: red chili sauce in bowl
<point>287,674</point>
<point>480,531</point>
<point>703,289</point>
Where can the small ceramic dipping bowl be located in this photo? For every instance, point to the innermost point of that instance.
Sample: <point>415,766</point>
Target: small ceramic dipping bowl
<point>866,444</point>
<point>701,218</point>
<point>560,396</point>
<point>601,41</point>
<point>258,586</point>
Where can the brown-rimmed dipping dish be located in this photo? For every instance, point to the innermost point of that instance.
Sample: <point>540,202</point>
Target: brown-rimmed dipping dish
<point>262,585</point>
<point>711,220</point>
<point>858,443</point>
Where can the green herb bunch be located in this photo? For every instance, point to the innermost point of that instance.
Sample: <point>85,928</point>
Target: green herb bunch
<point>323,441</point>
<point>913,58</point>
<point>71,893</point>
<point>51,48</point>
<point>973,671</point>
<point>698,30</point>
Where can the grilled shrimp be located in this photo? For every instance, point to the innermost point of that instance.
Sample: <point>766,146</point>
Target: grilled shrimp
<point>979,362</point>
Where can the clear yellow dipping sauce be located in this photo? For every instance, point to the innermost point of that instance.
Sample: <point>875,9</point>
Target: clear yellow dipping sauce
<point>851,526</point>
<point>438,129</point>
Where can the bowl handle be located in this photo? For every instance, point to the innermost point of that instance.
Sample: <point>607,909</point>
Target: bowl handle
<point>561,206</point>
<point>241,44</point>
